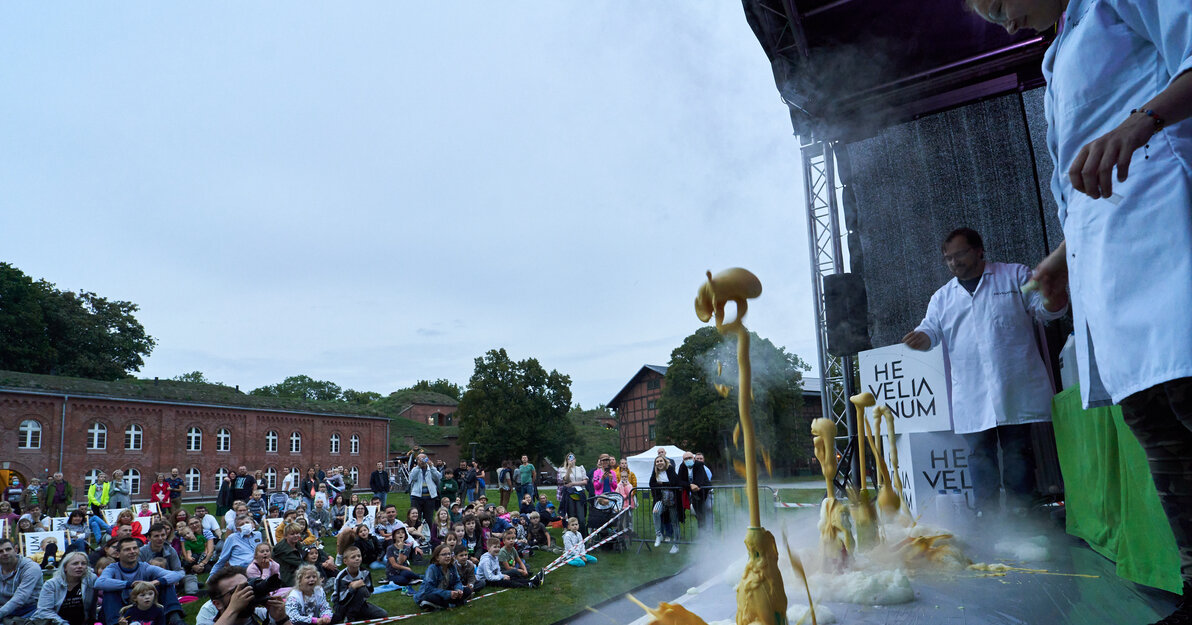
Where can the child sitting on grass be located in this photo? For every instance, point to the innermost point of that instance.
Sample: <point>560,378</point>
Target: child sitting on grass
<point>143,609</point>
<point>512,563</point>
<point>262,566</point>
<point>489,569</point>
<point>467,572</point>
<point>573,545</point>
<point>397,560</point>
<point>353,587</point>
<point>306,604</point>
<point>527,504</point>
<point>441,587</point>
<point>536,535</point>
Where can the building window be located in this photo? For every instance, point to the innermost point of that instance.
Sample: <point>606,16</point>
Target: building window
<point>652,404</point>
<point>354,445</point>
<point>223,440</point>
<point>653,384</point>
<point>97,436</point>
<point>335,443</point>
<point>354,473</point>
<point>90,477</point>
<point>295,443</point>
<point>30,435</point>
<point>194,439</point>
<point>433,419</point>
<point>296,478</point>
<point>134,481</point>
<point>270,479</point>
<point>192,480</point>
<point>653,432</point>
<point>271,442</point>
<point>219,477</point>
<point>133,435</point>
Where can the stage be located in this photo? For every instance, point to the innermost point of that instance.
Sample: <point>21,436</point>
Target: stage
<point>960,598</point>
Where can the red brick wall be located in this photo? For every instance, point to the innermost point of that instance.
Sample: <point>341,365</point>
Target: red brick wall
<point>422,413</point>
<point>635,414</point>
<point>163,447</point>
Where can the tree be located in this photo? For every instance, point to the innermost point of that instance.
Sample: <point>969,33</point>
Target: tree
<point>693,415</point>
<point>361,398</point>
<point>45,330</point>
<point>514,408</point>
<point>301,387</point>
<point>194,377</point>
<point>441,386</point>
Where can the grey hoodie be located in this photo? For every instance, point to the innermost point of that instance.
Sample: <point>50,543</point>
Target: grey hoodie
<point>21,588</point>
<point>54,592</point>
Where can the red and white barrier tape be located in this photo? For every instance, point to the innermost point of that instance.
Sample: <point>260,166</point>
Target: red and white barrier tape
<point>781,504</point>
<point>559,563</point>
<point>402,617</point>
<point>567,555</point>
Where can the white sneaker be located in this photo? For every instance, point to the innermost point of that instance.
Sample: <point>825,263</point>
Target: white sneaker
<point>657,541</point>
<point>674,548</point>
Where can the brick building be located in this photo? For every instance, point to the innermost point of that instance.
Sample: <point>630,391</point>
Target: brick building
<point>636,407</point>
<point>440,414</point>
<point>81,427</point>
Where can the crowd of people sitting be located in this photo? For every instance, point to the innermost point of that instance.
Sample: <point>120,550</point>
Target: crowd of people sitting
<point>266,555</point>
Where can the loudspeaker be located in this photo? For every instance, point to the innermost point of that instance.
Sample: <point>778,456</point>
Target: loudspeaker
<point>846,312</point>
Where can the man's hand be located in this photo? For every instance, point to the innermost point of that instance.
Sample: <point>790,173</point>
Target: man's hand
<point>276,607</point>
<point>694,487</point>
<point>505,577</point>
<point>917,340</point>
<point>456,594</point>
<point>1052,276</point>
<point>1091,172</point>
<point>241,599</point>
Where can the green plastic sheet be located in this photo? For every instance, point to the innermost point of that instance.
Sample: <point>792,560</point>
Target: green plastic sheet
<point>1110,499</point>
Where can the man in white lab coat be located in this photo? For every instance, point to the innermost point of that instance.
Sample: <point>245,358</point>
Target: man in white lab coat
<point>1000,383</point>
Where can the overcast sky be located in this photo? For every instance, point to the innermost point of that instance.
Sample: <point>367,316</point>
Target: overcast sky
<point>375,193</point>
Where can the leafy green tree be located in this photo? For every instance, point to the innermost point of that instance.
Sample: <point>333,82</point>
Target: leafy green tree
<point>45,330</point>
<point>361,398</point>
<point>514,408</point>
<point>441,386</point>
<point>301,387</point>
<point>194,377</point>
<point>693,415</point>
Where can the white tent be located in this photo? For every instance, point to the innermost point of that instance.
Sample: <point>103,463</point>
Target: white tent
<point>643,463</point>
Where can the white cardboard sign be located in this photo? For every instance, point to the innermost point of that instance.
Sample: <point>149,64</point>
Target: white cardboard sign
<point>31,542</point>
<point>912,383</point>
<point>934,465</point>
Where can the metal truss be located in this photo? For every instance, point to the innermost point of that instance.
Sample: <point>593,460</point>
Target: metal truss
<point>823,234</point>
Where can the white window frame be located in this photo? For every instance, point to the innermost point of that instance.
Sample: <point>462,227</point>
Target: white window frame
<point>90,477</point>
<point>271,442</point>
<point>194,438</point>
<point>97,437</point>
<point>270,479</point>
<point>296,442</point>
<point>220,474</point>
<point>354,445</point>
<point>354,473</point>
<point>134,437</point>
<point>134,481</point>
<point>223,440</point>
<point>193,480</point>
<point>335,440</point>
<point>29,435</point>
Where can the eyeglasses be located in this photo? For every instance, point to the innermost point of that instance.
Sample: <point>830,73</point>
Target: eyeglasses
<point>230,592</point>
<point>958,255</point>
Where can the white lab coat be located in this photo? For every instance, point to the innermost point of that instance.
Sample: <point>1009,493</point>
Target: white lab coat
<point>1129,265</point>
<point>990,338</point>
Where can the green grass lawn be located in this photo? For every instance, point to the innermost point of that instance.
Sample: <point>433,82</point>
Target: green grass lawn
<point>566,591</point>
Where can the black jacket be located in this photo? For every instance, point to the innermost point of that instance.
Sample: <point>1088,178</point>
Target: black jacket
<point>674,483</point>
<point>378,482</point>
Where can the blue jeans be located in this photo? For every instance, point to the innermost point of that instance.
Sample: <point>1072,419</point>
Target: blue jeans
<point>1018,465</point>
<point>384,497</point>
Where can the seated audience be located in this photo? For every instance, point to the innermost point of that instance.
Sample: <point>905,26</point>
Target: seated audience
<point>20,582</point>
<point>306,604</point>
<point>119,577</point>
<point>441,586</point>
<point>69,597</point>
<point>353,587</point>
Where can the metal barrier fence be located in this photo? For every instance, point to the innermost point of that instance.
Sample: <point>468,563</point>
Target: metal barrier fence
<point>727,509</point>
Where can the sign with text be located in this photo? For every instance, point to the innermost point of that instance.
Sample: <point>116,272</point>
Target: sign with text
<point>931,465</point>
<point>912,383</point>
<point>34,542</point>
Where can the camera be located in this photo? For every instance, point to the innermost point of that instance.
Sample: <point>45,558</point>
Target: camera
<point>262,587</point>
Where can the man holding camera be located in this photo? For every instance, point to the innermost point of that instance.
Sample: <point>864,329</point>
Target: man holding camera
<point>424,487</point>
<point>236,601</point>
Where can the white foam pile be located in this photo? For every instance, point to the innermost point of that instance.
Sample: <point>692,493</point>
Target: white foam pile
<point>872,587</point>
<point>1036,549</point>
<point>796,614</point>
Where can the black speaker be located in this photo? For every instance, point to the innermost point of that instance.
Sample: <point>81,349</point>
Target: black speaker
<point>846,312</point>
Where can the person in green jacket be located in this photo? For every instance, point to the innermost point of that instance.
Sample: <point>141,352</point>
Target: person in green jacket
<point>99,493</point>
<point>59,495</point>
<point>288,553</point>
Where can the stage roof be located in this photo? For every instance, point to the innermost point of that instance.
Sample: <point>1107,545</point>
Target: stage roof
<point>847,68</point>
